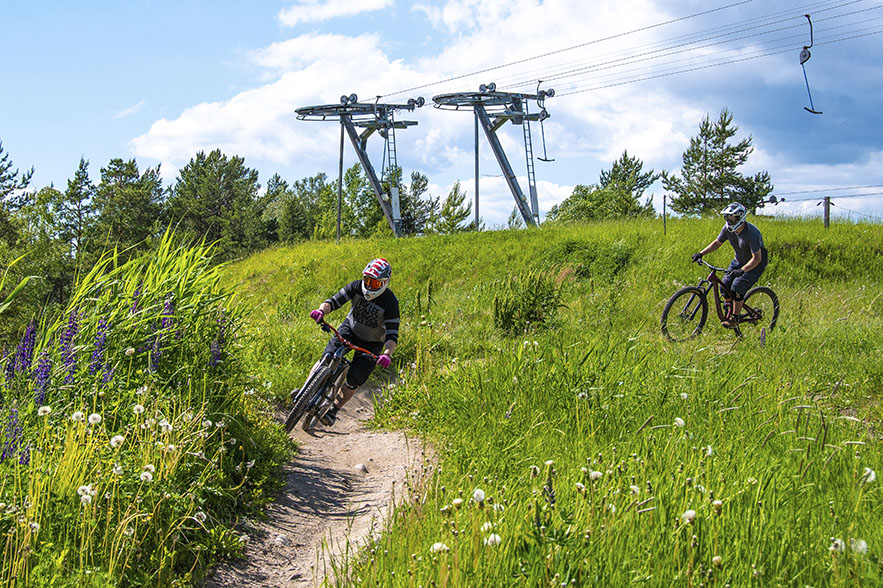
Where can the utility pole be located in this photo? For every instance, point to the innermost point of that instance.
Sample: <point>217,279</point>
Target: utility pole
<point>477,228</point>
<point>827,211</point>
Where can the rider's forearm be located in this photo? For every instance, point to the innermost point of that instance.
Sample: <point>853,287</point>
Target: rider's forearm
<point>711,247</point>
<point>325,308</point>
<point>753,262</point>
<point>389,347</point>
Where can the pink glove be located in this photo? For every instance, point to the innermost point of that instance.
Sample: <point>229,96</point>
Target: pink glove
<point>384,361</point>
<point>317,315</point>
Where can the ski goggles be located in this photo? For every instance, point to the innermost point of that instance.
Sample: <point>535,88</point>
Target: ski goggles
<point>372,283</point>
<point>731,219</point>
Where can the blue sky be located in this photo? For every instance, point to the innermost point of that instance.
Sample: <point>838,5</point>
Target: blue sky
<point>158,81</point>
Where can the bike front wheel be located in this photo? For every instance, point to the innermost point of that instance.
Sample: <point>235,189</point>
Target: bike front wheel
<point>760,310</point>
<point>685,314</point>
<point>312,386</point>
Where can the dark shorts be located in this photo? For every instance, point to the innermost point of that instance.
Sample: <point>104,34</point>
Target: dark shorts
<point>362,365</point>
<point>740,286</point>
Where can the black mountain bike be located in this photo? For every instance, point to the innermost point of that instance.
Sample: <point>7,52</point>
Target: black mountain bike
<point>316,396</point>
<point>686,311</point>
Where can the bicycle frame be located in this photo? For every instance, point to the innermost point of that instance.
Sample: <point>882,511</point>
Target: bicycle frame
<point>721,292</point>
<point>341,365</point>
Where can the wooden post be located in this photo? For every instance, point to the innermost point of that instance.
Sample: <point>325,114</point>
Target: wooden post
<point>664,197</point>
<point>827,211</point>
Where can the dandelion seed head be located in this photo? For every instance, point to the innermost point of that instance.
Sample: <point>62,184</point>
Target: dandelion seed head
<point>487,527</point>
<point>94,418</point>
<point>580,488</point>
<point>138,409</point>
<point>457,502</point>
<point>44,411</point>
<point>130,352</point>
<point>439,547</point>
<point>679,422</point>
<point>478,496</point>
<point>717,561</point>
<point>837,545</point>
<point>35,526</point>
<point>117,470</point>
<point>683,395</point>
<point>199,517</point>
<point>595,475</point>
<point>869,476</point>
<point>78,417</point>
<point>86,499</point>
<point>146,477</point>
<point>129,531</point>
<point>84,490</point>
<point>149,468</point>
<point>634,489</point>
<point>688,517</point>
<point>116,441</point>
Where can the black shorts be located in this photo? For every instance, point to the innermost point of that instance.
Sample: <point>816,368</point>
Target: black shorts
<point>362,365</point>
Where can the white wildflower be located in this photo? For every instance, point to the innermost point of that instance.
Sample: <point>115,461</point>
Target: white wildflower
<point>683,395</point>
<point>149,468</point>
<point>717,561</point>
<point>837,545</point>
<point>634,489</point>
<point>457,502</point>
<point>869,476</point>
<point>129,531</point>
<point>858,545</point>
<point>709,451</point>
<point>595,475</point>
<point>85,490</point>
<point>580,488</point>
<point>43,411</point>
<point>118,470</point>
<point>478,496</point>
<point>130,352</point>
<point>487,527</point>
<point>199,517</point>
<point>116,441</point>
<point>492,539</point>
<point>34,526</point>
<point>439,548</point>
<point>138,409</point>
<point>679,422</point>
<point>94,418</point>
<point>166,426</point>
<point>78,417</point>
<point>86,499</point>
<point>688,517</point>
<point>146,477</point>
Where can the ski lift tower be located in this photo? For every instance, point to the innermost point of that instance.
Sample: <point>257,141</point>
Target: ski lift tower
<point>492,110</point>
<point>370,117</point>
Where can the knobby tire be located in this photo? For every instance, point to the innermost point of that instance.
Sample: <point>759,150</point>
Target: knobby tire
<point>307,393</point>
<point>682,302</point>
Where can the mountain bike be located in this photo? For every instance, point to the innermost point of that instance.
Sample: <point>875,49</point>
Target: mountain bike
<point>686,311</point>
<point>316,396</point>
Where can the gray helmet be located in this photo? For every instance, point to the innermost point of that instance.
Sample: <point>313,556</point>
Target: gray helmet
<point>734,215</point>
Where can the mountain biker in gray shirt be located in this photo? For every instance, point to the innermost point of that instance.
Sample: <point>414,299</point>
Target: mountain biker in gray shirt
<point>749,263</point>
<point>372,323</point>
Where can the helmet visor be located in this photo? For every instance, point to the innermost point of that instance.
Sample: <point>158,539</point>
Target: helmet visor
<point>732,219</point>
<point>372,283</point>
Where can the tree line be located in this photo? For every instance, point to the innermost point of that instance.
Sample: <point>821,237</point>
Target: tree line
<point>53,233</point>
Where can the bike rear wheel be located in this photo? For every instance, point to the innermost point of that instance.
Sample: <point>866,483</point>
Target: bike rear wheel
<point>760,310</point>
<point>685,314</point>
<point>309,390</point>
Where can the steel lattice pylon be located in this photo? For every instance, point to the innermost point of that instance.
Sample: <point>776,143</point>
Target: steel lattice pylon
<point>492,110</point>
<point>370,117</point>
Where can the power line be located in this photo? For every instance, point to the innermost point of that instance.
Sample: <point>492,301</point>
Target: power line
<point>862,195</point>
<point>520,61</point>
<point>829,189</point>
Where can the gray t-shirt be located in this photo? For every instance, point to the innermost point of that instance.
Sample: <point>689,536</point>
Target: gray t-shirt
<point>745,243</point>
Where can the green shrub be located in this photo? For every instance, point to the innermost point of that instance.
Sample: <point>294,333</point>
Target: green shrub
<point>526,301</point>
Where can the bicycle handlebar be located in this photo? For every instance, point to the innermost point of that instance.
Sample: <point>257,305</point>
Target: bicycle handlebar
<point>325,326</point>
<point>705,263</point>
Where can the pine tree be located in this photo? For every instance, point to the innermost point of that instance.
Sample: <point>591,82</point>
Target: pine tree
<point>709,179</point>
<point>453,212</point>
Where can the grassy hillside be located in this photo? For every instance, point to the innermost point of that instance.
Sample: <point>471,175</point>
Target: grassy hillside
<point>586,449</point>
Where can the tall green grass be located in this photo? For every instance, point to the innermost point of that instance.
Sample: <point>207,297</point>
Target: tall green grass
<point>133,436</point>
<point>586,449</point>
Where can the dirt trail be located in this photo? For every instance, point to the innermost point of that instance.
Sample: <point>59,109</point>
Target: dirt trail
<point>339,490</point>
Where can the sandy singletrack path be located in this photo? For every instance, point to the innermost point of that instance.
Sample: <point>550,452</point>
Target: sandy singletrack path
<point>339,489</point>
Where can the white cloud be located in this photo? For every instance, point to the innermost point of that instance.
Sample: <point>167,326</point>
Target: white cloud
<point>314,10</point>
<point>126,112</point>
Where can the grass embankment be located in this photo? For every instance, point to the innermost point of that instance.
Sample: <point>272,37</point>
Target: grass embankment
<point>592,451</point>
<point>132,436</point>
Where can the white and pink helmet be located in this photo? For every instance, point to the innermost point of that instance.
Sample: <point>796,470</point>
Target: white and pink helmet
<point>375,278</point>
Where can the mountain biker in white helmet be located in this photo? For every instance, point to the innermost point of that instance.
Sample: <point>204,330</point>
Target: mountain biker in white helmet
<point>750,260</point>
<point>372,323</point>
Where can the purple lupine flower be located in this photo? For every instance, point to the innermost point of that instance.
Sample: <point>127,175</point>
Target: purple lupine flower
<point>217,347</point>
<point>168,312</point>
<point>136,297</point>
<point>100,344</point>
<point>12,437</point>
<point>9,369</point>
<point>41,378</point>
<point>67,346</point>
<point>24,354</point>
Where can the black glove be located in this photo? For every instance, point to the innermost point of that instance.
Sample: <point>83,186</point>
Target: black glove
<point>737,272</point>
<point>696,257</point>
